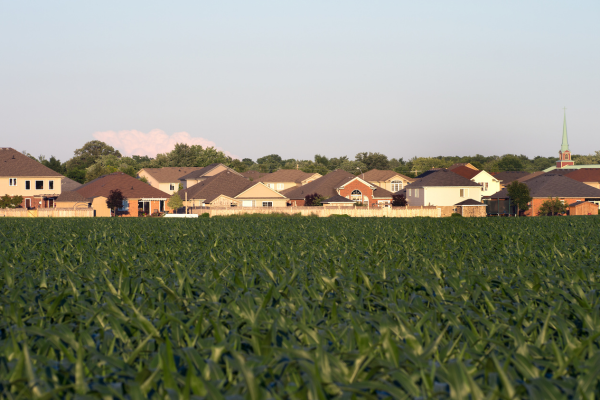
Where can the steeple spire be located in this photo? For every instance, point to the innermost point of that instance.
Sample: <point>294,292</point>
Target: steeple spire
<point>565,142</point>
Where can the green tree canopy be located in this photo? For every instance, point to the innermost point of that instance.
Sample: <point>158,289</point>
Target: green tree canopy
<point>552,206</point>
<point>7,201</point>
<point>89,153</point>
<point>373,160</point>
<point>519,194</point>
<point>175,202</point>
<point>510,162</point>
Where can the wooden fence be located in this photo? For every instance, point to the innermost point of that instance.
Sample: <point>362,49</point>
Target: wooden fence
<point>46,212</point>
<point>65,212</point>
<point>392,212</point>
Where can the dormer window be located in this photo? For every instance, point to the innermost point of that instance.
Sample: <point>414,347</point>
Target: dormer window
<point>12,182</point>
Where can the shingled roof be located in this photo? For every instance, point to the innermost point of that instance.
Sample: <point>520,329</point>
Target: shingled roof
<point>130,187</point>
<point>506,177</point>
<point>549,185</point>
<point>379,175</point>
<point>67,184</point>
<point>286,175</point>
<point>255,175</point>
<point>203,171</point>
<point>441,178</point>
<point>465,172</point>
<point>169,174</point>
<point>470,202</point>
<point>337,199</point>
<point>325,185</point>
<point>585,175</point>
<point>224,183</point>
<point>14,163</point>
<point>71,196</point>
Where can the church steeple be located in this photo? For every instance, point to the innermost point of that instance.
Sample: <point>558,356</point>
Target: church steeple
<point>564,153</point>
<point>565,142</point>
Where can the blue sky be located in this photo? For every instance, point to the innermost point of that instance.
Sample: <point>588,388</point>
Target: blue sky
<point>404,78</point>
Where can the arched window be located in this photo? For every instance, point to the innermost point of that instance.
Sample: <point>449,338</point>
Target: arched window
<point>356,195</point>
<point>396,186</point>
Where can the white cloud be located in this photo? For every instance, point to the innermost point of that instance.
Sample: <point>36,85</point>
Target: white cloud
<point>156,141</point>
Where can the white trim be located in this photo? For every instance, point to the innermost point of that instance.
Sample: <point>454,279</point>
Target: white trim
<point>368,184</point>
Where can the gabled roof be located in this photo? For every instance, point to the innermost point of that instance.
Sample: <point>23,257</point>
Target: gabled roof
<point>468,165</point>
<point>470,202</point>
<point>224,183</point>
<point>549,185</point>
<point>337,199</point>
<point>14,164</point>
<point>130,187</point>
<point>585,175</point>
<point>288,175</point>
<point>254,174</point>
<point>466,172</point>
<point>531,176</point>
<point>441,178</point>
<point>378,192</point>
<point>325,185</point>
<point>379,175</point>
<point>275,194</point>
<point>203,171</point>
<point>169,174</point>
<point>67,184</point>
<point>71,196</point>
<point>507,177</point>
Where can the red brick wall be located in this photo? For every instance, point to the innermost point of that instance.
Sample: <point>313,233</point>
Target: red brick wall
<point>537,203</point>
<point>297,203</point>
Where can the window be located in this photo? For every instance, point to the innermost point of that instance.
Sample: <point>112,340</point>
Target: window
<point>39,185</point>
<point>416,192</point>
<point>356,195</point>
<point>271,185</point>
<point>27,185</point>
<point>410,192</point>
<point>267,204</point>
<point>464,192</point>
<point>280,186</point>
<point>12,182</point>
<point>51,185</point>
<point>172,187</point>
<point>396,186</point>
<point>125,206</point>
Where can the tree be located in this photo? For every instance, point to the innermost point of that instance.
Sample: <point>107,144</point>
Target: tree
<point>270,163</point>
<point>175,202</point>
<point>53,163</point>
<point>519,194</point>
<point>313,200</point>
<point>319,159</point>
<point>510,162</point>
<point>399,200</point>
<point>115,200</point>
<point>373,160</point>
<point>552,206</point>
<point>89,153</point>
<point>7,201</point>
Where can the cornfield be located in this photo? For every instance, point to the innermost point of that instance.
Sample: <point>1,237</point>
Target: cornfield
<point>297,308</point>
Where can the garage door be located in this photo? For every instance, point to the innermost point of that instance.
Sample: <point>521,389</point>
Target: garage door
<point>247,203</point>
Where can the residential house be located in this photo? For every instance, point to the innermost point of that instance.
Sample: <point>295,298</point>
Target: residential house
<point>288,178</point>
<point>589,176</point>
<point>201,174</point>
<point>543,187</point>
<point>139,196</point>
<point>387,179</point>
<point>204,193</point>
<point>166,178</point>
<point>507,177</point>
<point>489,184</point>
<point>442,188</point>
<point>467,165</point>
<point>260,195</point>
<point>340,183</point>
<point>23,176</point>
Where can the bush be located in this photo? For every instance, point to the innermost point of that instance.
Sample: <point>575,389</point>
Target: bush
<point>456,215</point>
<point>205,215</point>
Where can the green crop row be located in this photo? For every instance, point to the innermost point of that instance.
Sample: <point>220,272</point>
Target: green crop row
<point>300,308</point>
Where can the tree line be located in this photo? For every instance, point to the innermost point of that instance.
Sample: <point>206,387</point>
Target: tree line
<point>97,158</point>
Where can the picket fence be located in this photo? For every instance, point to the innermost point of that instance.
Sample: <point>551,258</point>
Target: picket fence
<point>46,212</point>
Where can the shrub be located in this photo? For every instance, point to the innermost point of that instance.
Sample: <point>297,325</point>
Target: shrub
<point>313,200</point>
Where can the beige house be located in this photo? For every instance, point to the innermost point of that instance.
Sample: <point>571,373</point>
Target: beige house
<point>166,178</point>
<point>226,183</point>
<point>387,179</point>
<point>198,176</point>
<point>22,176</point>
<point>442,188</point>
<point>288,178</point>
<point>260,195</point>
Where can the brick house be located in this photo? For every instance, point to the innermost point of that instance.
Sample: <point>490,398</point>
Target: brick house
<point>387,179</point>
<point>543,187</point>
<point>364,192</point>
<point>140,197</point>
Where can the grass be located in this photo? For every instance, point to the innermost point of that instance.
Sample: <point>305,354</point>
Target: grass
<point>295,308</point>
